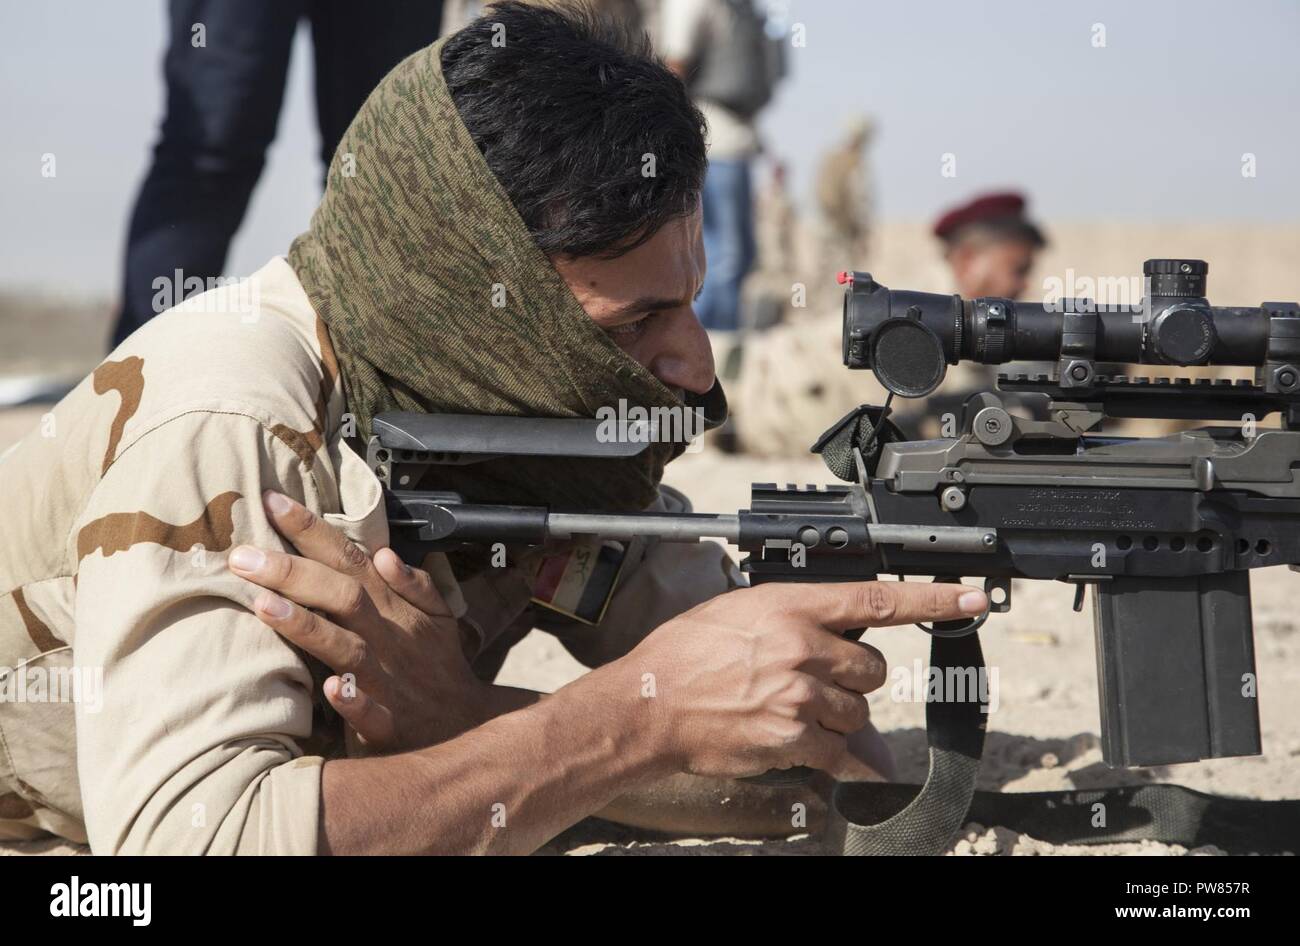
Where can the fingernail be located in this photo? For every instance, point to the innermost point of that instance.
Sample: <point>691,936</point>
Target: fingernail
<point>278,503</point>
<point>247,559</point>
<point>273,604</point>
<point>973,602</point>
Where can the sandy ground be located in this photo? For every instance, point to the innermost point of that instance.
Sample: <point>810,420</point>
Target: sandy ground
<point>1044,733</point>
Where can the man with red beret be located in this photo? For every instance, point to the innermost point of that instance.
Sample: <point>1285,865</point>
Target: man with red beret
<point>990,245</point>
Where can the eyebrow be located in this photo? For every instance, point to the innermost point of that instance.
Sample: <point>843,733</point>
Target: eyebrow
<point>649,304</point>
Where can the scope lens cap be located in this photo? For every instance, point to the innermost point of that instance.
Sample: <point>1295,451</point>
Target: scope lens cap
<point>907,357</point>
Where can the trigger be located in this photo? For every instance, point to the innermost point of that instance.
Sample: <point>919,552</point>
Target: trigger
<point>1078,595</point>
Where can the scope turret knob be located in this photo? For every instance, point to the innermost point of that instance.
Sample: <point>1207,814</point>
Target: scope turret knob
<point>1176,278</point>
<point>1183,335</point>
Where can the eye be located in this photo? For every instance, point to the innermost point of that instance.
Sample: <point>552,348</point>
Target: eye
<point>630,330</point>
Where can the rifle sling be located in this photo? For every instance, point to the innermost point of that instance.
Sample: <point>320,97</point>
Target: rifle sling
<point>870,818</point>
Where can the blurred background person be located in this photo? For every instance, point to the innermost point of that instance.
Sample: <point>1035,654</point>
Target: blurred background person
<point>723,53</point>
<point>629,14</point>
<point>990,245</point>
<point>225,71</point>
<point>766,294</point>
<point>844,196</point>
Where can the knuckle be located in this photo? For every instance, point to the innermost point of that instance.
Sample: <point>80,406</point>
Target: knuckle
<point>305,624</point>
<point>801,691</point>
<point>352,557</point>
<point>290,572</point>
<point>879,602</point>
<point>355,655</point>
<point>798,648</point>
<point>300,518</point>
<point>791,733</point>
<point>352,598</point>
<point>280,567</point>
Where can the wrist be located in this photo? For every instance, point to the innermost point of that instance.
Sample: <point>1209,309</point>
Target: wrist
<point>624,697</point>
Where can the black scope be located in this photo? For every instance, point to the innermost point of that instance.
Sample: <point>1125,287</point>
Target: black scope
<point>909,338</point>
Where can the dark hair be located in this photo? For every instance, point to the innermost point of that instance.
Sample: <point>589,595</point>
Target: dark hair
<point>564,107</point>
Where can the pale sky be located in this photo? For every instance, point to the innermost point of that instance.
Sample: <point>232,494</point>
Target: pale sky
<point>1152,126</point>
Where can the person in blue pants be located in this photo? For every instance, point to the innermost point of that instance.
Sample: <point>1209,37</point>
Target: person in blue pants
<point>728,242</point>
<point>225,84</point>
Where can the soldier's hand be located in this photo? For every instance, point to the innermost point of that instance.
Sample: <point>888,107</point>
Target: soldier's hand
<point>402,680</point>
<point>760,678</point>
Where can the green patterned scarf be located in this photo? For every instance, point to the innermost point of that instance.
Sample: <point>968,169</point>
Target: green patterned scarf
<point>437,299</point>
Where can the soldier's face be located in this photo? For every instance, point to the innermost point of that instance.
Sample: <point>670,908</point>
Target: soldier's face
<point>645,301</point>
<point>997,268</point>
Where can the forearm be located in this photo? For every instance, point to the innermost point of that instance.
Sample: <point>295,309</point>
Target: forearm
<point>505,787</point>
<point>691,804</point>
<point>696,805</point>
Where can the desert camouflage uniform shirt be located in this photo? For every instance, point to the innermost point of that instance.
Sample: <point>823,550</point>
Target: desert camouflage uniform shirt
<point>143,706</point>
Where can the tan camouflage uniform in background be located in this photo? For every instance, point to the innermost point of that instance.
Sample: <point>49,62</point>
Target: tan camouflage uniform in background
<point>120,511</point>
<point>844,196</point>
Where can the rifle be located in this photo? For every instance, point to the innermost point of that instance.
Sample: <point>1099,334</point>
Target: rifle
<point>1164,529</point>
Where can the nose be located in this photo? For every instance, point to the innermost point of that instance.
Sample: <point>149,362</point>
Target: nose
<point>685,357</point>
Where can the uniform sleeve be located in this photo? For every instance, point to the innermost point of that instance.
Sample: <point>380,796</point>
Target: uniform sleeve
<point>195,745</point>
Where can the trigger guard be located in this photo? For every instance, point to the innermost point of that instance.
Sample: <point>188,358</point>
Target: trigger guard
<point>970,627</point>
<point>974,624</point>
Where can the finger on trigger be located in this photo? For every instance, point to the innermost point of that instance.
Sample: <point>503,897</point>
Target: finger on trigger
<point>848,605</point>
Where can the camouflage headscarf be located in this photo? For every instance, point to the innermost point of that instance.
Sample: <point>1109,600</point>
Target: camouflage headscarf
<point>437,299</point>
